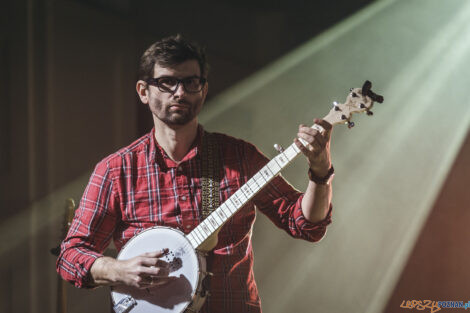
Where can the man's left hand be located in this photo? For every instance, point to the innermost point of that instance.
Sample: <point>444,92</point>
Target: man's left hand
<point>317,150</point>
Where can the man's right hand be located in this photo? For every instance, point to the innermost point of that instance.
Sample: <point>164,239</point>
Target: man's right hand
<point>143,271</point>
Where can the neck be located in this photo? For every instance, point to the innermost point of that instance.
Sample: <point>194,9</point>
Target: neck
<point>175,139</point>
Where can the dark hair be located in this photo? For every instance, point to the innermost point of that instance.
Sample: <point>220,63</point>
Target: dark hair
<point>171,51</point>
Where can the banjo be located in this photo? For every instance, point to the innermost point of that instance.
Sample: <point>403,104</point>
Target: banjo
<point>187,252</point>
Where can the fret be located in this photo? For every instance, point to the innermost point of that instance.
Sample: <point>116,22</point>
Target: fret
<point>236,199</point>
<point>197,235</point>
<point>191,239</point>
<point>195,238</point>
<point>281,158</point>
<point>290,152</point>
<point>296,149</point>
<point>215,215</point>
<point>253,184</point>
<point>266,173</point>
<point>257,180</point>
<point>213,221</point>
<point>247,190</point>
<point>205,230</point>
<point>274,166</point>
<point>239,193</point>
<point>200,233</point>
<point>221,213</point>
<point>224,208</point>
<point>211,228</point>
<point>231,206</point>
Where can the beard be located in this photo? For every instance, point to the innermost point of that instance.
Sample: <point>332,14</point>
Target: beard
<point>176,113</point>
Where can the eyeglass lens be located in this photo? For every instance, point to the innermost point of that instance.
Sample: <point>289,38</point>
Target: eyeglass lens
<point>170,84</point>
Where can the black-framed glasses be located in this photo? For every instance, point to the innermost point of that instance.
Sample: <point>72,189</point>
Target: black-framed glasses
<point>170,84</point>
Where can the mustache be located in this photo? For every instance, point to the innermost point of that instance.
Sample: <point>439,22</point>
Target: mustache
<point>181,101</point>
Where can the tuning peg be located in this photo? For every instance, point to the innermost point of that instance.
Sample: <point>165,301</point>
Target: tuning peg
<point>335,105</point>
<point>279,148</point>
<point>350,124</point>
<point>370,113</point>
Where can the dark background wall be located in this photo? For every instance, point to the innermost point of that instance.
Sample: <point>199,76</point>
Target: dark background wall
<point>66,62</point>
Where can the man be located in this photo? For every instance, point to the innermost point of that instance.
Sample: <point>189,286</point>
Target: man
<point>157,181</point>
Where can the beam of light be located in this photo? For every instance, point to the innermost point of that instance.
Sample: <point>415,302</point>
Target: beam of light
<point>252,84</point>
<point>49,212</point>
<point>447,54</point>
<point>390,168</point>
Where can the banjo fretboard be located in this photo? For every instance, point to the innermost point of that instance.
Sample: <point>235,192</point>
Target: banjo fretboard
<point>246,192</point>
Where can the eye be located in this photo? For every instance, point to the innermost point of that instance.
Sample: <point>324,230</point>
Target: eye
<point>167,81</point>
<point>191,82</point>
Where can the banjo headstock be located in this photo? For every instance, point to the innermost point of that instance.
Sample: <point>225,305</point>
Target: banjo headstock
<point>358,100</point>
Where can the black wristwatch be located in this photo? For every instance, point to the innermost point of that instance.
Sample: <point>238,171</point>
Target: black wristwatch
<point>322,180</point>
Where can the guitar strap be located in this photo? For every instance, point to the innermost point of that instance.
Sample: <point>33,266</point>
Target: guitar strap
<point>210,192</point>
<point>210,174</point>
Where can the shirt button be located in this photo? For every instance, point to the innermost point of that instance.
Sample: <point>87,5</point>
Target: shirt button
<point>188,226</point>
<point>180,168</point>
<point>183,198</point>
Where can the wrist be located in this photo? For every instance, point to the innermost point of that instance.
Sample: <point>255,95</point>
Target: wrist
<point>104,271</point>
<point>321,178</point>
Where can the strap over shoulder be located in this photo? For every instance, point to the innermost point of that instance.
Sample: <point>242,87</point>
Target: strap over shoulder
<point>210,174</point>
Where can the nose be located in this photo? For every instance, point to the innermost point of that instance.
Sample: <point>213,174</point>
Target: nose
<point>179,91</point>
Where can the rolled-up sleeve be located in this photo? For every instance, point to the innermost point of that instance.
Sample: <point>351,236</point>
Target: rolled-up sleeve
<point>91,229</point>
<point>281,203</point>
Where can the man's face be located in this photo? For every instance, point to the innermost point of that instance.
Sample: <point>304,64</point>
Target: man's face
<point>178,107</point>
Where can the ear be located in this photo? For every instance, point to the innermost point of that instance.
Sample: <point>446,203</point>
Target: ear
<point>142,91</point>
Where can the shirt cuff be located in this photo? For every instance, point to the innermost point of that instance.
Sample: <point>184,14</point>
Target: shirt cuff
<point>82,267</point>
<point>314,231</point>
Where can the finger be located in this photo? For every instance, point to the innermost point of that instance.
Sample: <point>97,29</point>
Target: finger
<point>306,128</point>
<point>154,262</point>
<point>156,254</point>
<point>307,137</point>
<point>314,143</point>
<point>301,147</point>
<point>320,139</point>
<point>323,136</point>
<point>154,271</point>
<point>327,126</point>
<point>315,147</point>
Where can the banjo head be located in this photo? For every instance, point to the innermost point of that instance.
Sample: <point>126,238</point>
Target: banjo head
<point>184,264</point>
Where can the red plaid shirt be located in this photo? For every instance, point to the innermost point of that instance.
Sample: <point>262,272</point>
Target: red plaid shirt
<point>140,186</point>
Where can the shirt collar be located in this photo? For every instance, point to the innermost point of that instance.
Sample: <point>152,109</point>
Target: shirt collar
<point>159,156</point>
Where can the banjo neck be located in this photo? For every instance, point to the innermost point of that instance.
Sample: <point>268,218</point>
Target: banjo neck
<point>358,100</point>
<point>242,196</point>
